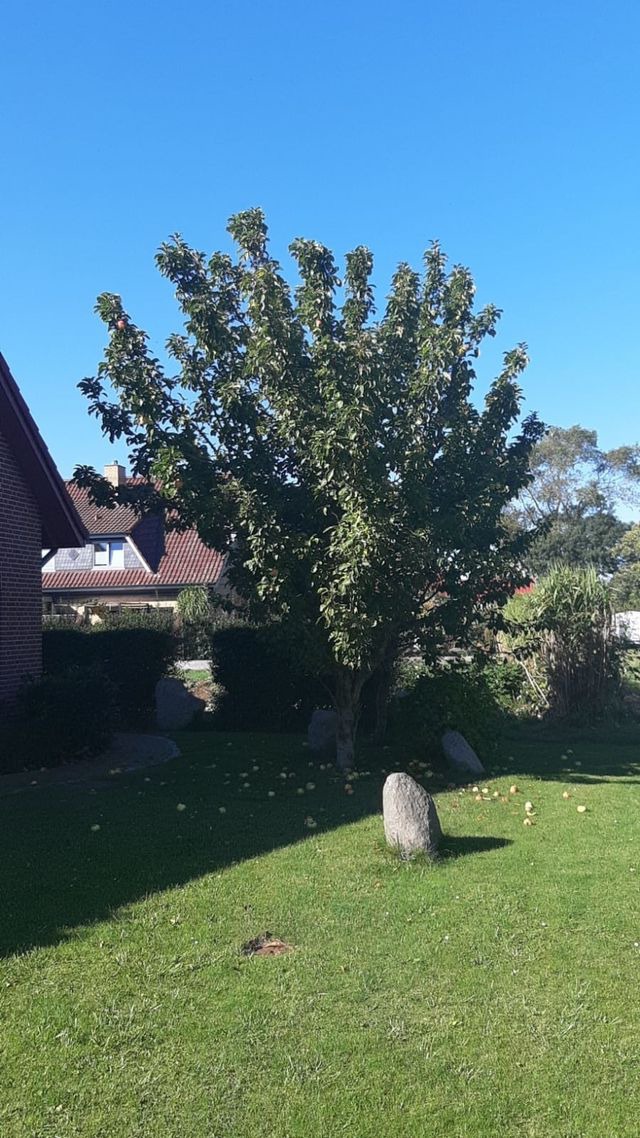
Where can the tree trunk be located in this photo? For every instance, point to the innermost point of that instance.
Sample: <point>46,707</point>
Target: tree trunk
<point>345,739</point>
<point>383,687</point>
<point>348,686</point>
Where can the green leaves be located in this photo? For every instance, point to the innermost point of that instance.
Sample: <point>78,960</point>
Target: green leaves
<point>340,459</point>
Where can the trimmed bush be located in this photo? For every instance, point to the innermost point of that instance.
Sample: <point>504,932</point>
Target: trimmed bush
<point>158,620</point>
<point>429,701</point>
<point>133,659</point>
<point>265,685</point>
<point>60,718</point>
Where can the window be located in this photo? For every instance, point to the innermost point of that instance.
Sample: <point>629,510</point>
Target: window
<point>108,555</point>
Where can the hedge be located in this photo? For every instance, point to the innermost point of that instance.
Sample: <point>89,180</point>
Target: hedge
<point>133,659</point>
<point>60,718</point>
<point>265,684</point>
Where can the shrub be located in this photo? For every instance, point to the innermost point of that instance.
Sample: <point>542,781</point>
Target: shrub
<point>200,612</point>
<point>133,659</point>
<point>60,718</point>
<point>265,685</point>
<point>506,680</point>
<point>155,619</point>
<point>194,604</point>
<point>429,701</point>
<point>563,630</point>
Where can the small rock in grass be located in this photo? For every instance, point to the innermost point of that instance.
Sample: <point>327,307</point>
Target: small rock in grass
<point>513,789</point>
<point>411,822</point>
<point>528,807</point>
<point>581,809</point>
<point>321,734</point>
<point>565,794</point>
<point>459,754</point>
<point>181,806</point>
<point>176,706</point>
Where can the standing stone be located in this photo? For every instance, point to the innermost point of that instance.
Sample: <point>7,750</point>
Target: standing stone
<point>459,754</point>
<point>176,707</point>
<point>411,823</point>
<point>321,734</point>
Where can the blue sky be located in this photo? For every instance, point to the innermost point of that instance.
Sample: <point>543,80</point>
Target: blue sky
<point>508,130</point>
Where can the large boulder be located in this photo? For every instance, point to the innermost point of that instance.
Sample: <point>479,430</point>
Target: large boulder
<point>459,754</point>
<point>321,734</point>
<point>411,823</point>
<point>176,707</point>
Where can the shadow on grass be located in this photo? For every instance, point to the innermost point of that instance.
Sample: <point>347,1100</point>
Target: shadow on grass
<point>455,847</point>
<point>73,855</point>
<point>572,754</point>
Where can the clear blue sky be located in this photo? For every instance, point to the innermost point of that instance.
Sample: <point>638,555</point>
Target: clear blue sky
<point>510,130</point>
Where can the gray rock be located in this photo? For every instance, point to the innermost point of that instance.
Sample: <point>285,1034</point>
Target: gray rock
<point>411,823</point>
<point>459,754</point>
<point>176,707</point>
<point>321,734</point>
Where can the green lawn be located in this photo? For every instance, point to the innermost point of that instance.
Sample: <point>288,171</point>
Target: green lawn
<point>495,993</point>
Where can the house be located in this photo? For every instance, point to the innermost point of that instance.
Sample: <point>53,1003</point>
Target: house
<point>35,511</point>
<point>128,560</point>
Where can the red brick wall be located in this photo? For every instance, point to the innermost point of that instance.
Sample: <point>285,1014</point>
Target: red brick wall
<point>20,578</point>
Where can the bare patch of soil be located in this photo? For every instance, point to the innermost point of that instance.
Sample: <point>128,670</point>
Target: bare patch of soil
<point>266,945</point>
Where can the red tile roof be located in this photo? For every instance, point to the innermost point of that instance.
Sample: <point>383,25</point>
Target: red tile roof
<point>99,520</point>
<point>186,560</point>
<point>175,558</point>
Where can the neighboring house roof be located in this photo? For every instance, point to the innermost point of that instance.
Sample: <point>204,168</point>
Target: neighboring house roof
<point>175,558</point>
<point>61,525</point>
<point>100,521</point>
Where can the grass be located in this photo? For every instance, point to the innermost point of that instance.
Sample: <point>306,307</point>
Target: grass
<point>194,675</point>
<point>493,993</point>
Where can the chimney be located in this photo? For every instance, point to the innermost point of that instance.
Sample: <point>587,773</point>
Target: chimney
<point>115,474</point>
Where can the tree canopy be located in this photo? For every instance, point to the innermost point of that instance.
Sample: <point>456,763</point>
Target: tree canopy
<point>625,584</point>
<point>572,499</point>
<point>339,459</point>
<point>573,476</point>
<point>579,540</point>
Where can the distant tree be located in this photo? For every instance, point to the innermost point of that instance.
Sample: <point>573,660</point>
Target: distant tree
<point>339,460</point>
<point>572,498</point>
<point>573,477</point>
<point>578,540</point>
<point>625,583</point>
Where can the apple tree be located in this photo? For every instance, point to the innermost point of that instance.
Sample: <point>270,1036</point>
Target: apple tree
<point>337,457</point>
